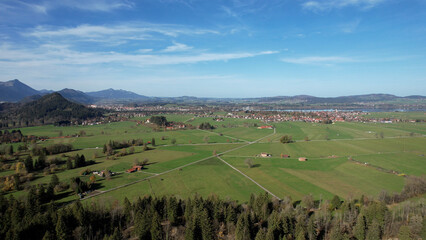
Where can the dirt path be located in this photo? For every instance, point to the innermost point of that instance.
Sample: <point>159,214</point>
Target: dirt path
<point>180,167</point>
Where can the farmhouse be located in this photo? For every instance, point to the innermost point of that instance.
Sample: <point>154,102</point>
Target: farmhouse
<point>303,159</point>
<point>134,169</point>
<point>265,127</point>
<point>265,155</point>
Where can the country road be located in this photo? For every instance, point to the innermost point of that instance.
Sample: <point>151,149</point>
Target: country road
<point>183,166</point>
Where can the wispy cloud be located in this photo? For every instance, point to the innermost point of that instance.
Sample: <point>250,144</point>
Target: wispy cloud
<point>85,5</point>
<point>326,5</point>
<point>97,5</point>
<point>319,60</point>
<point>63,55</point>
<point>177,47</point>
<point>350,27</point>
<point>128,31</point>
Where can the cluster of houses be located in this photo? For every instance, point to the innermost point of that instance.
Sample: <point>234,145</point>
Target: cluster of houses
<point>306,116</point>
<point>103,173</point>
<point>171,125</point>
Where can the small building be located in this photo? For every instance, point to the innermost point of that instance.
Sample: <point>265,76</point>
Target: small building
<point>265,154</point>
<point>134,169</point>
<point>265,127</point>
<point>303,159</point>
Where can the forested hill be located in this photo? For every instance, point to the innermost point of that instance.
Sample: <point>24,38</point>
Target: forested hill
<point>49,109</point>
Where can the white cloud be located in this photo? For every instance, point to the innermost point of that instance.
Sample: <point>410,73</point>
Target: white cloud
<point>114,34</point>
<point>85,5</point>
<point>177,47</point>
<point>350,27</point>
<point>327,5</point>
<point>318,60</point>
<point>63,55</point>
<point>97,5</point>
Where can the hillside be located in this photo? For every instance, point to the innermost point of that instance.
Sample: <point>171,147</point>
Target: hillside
<point>14,91</point>
<point>49,109</point>
<point>116,94</point>
<point>76,96</point>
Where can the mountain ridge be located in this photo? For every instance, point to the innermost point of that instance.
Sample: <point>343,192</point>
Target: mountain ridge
<point>15,91</point>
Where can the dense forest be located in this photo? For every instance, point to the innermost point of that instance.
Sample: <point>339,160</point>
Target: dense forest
<point>49,109</point>
<point>211,218</point>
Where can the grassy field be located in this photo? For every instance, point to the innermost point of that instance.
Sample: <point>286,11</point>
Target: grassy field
<point>398,115</point>
<point>189,166</point>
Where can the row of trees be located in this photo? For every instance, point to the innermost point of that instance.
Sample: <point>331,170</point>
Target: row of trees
<point>13,136</point>
<point>212,218</point>
<point>79,161</point>
<point>53,149</point>
<point>206,126</point>
<point>160,121</point>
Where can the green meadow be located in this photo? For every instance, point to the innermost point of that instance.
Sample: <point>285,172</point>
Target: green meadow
<point>185,162</point>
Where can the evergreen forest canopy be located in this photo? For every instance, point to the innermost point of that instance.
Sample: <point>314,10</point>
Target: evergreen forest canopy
<point>211,218</point>
<point>50,109</point>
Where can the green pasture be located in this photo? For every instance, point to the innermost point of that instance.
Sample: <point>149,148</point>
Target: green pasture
<point>341,148</point>
<point>181,137</point>
<point>320,177</point>
<point>398,115</point>
<point>204,178</point>
<point>327,172</point>
<point>410,163</point>
<point>347,130</point>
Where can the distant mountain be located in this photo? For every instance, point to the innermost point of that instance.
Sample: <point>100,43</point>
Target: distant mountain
<point>76,96</point>
<point>45,91</point>
<point>49,109</point>
<point>112,94</point>
<point>14,91</point>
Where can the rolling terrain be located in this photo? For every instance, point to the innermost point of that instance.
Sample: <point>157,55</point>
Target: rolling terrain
<point>350,162</point>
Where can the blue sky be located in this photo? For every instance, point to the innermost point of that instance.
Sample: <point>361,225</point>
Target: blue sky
<point>209,48</point>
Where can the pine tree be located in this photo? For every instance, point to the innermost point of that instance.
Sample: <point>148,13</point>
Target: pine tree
<point>29,164</point>
<point>206,226</point>
<point>242,231</point>
<point>335,203</point>
<point>261,234</point>
<point>61,228</point>
<point>69,164</point>
<point>54,180</point>
<point>374,232</point>
<point>360,227</point>
<point>156,229</point>
<point>172,208</point>
<point>404,233</point>
<point>231,215</point>
<point>127,210</point>
<point>143,224</point>
<point>40,162</point>
<point>82,160</point>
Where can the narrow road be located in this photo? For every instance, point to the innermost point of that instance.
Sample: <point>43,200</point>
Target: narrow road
<point>180,167</point>
<point>251,179</point>
<point>223,135</point>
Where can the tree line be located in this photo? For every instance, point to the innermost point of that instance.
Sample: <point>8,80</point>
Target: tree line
<point>208,218</point>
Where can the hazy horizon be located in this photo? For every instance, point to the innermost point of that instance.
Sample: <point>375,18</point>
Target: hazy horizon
<point>223,49</point>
